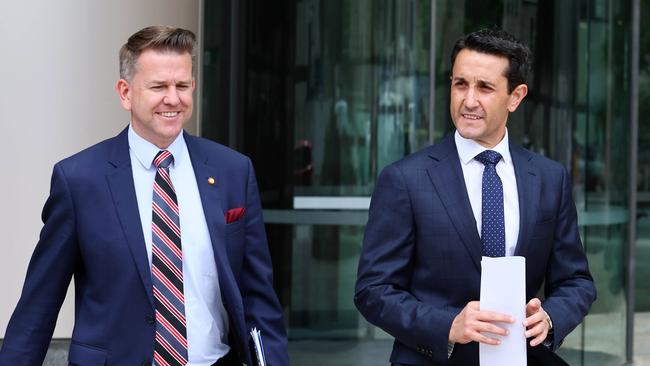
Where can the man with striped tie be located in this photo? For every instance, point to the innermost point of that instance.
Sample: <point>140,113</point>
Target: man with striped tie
<point>162,232</point>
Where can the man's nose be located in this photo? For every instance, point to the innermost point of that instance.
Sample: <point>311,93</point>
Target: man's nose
<point>171,97</point>
<point>470,98</point>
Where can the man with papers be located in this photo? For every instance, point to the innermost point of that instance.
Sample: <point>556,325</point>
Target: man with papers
<point>437,212</point>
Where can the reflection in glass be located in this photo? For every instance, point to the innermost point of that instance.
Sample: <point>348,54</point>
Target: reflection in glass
<point>363,102</point>
<point>360,103</point>
<point>643,197</point>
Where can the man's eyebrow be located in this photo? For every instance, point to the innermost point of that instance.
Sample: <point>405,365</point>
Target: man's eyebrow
<point>486,83</point>
<point>165,82</point>
<point>480,82</point>
<point>156,82</point>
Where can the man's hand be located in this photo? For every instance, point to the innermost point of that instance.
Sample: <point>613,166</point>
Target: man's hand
<point>536,323</point>
<point>471,324</point>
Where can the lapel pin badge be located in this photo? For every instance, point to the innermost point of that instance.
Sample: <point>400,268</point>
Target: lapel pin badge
<point>211,181</point>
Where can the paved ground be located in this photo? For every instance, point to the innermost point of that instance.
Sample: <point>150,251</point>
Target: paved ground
<point>642,339</point>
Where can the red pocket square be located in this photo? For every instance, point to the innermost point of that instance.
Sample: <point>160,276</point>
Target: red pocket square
<point>234,214</point>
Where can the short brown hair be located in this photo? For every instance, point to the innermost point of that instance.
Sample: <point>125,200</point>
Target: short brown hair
<point>159,38</point>
<point>498,42</point>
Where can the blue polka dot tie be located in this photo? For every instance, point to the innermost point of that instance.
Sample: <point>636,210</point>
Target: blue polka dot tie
<point>493,232</point>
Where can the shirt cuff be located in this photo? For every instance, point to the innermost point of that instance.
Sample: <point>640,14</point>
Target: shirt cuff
<point>450,349</point>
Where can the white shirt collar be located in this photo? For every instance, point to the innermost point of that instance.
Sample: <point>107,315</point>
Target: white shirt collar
<point>145,151</point>
<point>468,149</point>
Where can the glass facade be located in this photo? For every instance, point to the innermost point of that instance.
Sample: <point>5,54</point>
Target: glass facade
<point>643,195</point>
<point>322,94</point>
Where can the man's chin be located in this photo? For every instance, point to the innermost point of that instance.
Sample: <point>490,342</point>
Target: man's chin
<point>469,133</point>
<point>172,133</point>
<point>170,128</point>
<point>164,137</point>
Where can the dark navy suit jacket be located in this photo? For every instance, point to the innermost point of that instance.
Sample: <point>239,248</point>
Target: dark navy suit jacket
<point>92,232</point>
<point>420,263</point>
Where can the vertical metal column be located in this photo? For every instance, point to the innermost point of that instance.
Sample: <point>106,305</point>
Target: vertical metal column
<point>233,84</point>
<point>198,64</point>
<point>432,72</point>
<point>635,24</point>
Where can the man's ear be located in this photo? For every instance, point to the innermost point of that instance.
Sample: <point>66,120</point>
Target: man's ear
<point>124,91</point>
<point>517,96</point>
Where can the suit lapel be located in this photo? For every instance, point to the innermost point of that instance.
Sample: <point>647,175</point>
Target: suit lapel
<point>204,169</point>
<point>528,188</point>
<point>120,181</point>
<point>447,177</point>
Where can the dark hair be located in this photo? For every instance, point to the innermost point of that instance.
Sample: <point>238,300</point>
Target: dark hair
<point>499,43</point>
<point>159,38</point>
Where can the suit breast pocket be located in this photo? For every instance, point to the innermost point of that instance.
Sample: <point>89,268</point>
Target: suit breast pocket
<point>235,245</point>
<point>234,227</point>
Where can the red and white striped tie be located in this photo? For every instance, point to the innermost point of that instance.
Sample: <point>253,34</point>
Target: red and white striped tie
<point>170,347</point>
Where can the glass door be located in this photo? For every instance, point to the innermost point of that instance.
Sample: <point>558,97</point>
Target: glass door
<point>328,93</point>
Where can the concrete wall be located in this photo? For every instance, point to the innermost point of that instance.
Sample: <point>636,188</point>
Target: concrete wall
<point>59,67</point>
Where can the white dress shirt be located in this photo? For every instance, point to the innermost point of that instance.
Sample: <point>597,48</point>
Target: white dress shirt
<point>207,320</point>
<point>473,174</point>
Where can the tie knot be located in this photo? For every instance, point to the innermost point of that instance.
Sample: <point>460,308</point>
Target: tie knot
<point>163,159</point>
<point>488,157</point>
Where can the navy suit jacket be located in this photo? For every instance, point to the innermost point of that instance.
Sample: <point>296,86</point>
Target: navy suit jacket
<point>92,232</point>
<point>420,263</point>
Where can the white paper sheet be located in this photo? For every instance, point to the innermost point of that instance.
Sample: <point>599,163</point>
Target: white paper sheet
<point>259,347</point>
<point>503,289</point>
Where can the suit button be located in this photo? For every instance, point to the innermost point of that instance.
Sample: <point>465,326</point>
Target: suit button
<point>150,319</point>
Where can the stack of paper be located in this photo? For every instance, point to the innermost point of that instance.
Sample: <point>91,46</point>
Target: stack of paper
<point>503,289</point>
<point>259,347</point>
